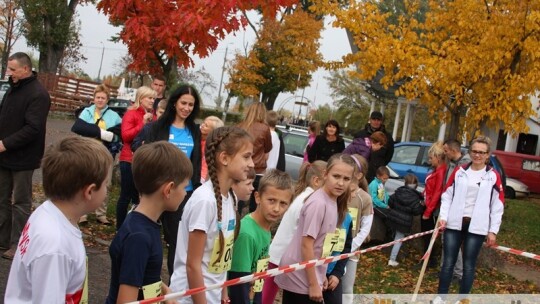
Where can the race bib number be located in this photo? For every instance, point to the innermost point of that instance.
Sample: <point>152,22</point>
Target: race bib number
<point>341,240</point>
<point>354,214</point>
<point>217,264</point>
<point>330,242</point>
<point>262,265</point>
<point>152,290</point>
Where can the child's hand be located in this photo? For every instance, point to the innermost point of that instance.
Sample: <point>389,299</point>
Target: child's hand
<point>333,282</point>
<point>166,290</point>
<point>315,293</point>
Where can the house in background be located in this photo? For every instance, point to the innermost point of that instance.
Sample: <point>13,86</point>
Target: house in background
<point>526,143</point>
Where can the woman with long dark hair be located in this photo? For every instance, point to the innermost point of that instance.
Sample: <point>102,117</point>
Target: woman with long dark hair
<point>327,144</point>
<point>177,125</point>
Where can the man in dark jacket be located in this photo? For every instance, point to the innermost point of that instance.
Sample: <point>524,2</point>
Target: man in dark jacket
<point>23,119</point>
<point>383,156</point>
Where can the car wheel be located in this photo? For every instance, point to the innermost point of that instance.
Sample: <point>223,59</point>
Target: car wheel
<point>510,192</point>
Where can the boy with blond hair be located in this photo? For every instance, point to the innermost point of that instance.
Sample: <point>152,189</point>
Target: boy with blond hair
<point>161,172</point>
<point>250,252</point>
<point>50,262</point>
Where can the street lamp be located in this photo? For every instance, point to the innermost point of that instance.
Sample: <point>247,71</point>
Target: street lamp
<point>101,61</point>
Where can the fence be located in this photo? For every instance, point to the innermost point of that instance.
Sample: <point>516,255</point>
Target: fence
<point>69,93</point>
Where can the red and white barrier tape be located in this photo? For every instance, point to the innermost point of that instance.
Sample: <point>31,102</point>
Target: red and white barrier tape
<point>277,271</point>
<point>518,252</point>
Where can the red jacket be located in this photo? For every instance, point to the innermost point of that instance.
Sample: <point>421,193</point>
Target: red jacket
<point>433,190</point>
<point>132,124</point>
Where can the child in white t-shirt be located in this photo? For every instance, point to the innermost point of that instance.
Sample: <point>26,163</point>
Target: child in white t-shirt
<point>50,263</point>
<point>209,224</point>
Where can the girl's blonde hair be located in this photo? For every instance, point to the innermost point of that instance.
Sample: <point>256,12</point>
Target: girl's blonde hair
<point>229,140</point>
<point>256,112</point>
<point>362,167</point>
<point>216,122</point>
<point>143,92</point>
<point>343,199</point>
<point>307,172</point>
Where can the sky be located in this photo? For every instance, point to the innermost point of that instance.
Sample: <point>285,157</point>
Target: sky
<point>96,33</point>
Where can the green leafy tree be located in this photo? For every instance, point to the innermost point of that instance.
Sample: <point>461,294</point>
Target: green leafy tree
<point>49,22</point>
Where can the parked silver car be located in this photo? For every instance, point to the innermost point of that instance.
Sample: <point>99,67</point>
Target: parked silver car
<point>4,86</point>
<point>295,141</point>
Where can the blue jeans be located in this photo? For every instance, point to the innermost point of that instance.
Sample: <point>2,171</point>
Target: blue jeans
<point>128,193</point>
<point>453,240</point>
<point>397,246</point>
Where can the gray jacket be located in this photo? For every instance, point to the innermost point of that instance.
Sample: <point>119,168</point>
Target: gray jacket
<point>451,165</point>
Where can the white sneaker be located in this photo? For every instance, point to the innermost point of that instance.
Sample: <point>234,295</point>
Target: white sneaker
<point>438,300</point>
<point>392,263</point>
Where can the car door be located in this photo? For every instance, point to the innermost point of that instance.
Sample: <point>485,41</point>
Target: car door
<point>295,143</point>
<point>411,158</point>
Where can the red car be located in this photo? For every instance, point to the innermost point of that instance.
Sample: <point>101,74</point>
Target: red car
<point>523,167</point>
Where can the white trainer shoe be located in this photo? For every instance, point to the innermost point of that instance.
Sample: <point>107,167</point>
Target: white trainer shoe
<point>392,263</point>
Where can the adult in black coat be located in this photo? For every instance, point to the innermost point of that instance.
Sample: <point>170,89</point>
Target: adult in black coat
<point>383,156</point>
<point>23,120</point>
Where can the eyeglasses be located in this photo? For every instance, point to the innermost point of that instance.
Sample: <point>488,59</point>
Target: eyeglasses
<point>478,152</point>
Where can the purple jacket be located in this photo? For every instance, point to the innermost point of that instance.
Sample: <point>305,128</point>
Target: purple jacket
<point>360,145</point>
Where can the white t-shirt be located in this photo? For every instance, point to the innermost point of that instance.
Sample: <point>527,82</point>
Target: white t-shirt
<point>287,227</point>
<point>200,213</point>
<point>473,185</point>
<point>50,263</point>
<point>273,155</point>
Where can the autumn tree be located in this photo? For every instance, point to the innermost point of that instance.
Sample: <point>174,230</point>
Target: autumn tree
<point>11,26</point>
<point>471,63</point>
<point>48,24</point>
<point>282,59</point>
<point>162,34</point>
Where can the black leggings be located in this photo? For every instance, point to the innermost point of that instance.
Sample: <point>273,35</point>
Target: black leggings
<point>290,297</point>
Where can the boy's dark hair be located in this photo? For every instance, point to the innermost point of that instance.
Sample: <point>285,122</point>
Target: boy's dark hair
<point>158,163</point>
<point>277,179</point>
<point>72,164</point>
<point>382,170</point>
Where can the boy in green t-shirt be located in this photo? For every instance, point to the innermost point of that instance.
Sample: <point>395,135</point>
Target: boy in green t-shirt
<point>250,251</point>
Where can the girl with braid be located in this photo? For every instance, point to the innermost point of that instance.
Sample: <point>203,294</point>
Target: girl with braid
<point>318,234</point>
<point>209,223</point>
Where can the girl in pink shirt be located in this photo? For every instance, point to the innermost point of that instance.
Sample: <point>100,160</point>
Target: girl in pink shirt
<point>317,234</point>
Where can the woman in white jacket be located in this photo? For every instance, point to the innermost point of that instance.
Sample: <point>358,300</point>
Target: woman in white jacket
<point>471,210</point>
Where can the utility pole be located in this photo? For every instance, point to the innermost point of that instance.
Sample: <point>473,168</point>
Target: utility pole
<point>101,62</point>
<point>222,73</point>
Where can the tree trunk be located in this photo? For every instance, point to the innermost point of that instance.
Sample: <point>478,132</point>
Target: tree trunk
<point>269,99</point>
<point>453,130</point>
<point>49,58</point>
